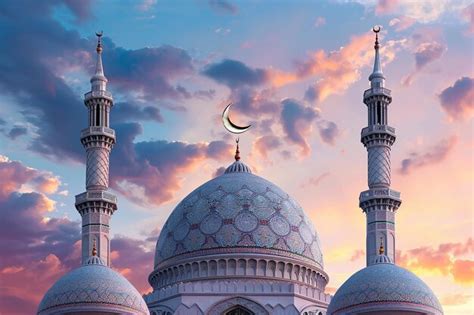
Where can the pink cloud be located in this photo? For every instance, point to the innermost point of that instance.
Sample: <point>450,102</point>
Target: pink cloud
<point>386,6</point>
<point>43,273</point>
<point>38,250</point>
<point>463,271</point>
<point>263,145</point>
<point>445,259</point>
<point>456,299</point>
<point>402,23</point>
<point>357,255</point>
<point>14,175</point>
<point>468,14</point>
<point>336,70</point>
<point>339,69</point>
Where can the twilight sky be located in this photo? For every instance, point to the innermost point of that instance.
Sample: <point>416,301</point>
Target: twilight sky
<point>295,70</point>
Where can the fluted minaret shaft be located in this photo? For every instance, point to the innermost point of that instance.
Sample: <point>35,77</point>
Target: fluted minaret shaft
<point>97,204</point>
<point>379,202</point>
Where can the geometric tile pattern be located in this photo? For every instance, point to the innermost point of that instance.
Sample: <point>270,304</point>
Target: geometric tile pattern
<point>238,209</point>
<point>383,282</point>
<point>97,172</point>
<point>94,284</point>
<point>379,165</point>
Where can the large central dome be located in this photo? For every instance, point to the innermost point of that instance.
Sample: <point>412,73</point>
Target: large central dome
<point>241,212</point>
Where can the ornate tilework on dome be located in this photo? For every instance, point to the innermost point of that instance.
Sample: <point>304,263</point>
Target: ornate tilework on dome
<point>94,284</point>
<point>238,209</point>
<point>383,282</point>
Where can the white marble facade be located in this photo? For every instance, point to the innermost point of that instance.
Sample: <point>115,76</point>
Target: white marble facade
<point>238,241</point>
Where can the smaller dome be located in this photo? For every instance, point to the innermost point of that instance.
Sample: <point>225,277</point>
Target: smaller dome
<point>95,260</point>
<point>384,284</point>
<point>382,259</point>
<point>93,287</point>
<point>238,167</point>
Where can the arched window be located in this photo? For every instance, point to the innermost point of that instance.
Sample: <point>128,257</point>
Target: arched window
<point>379,113</point>
<point>238,310</point>
<point>97,115</point>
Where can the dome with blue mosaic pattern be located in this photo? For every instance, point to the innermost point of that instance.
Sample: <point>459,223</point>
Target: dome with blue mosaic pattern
<point>241,212</point>
<point>384,286</point>
<point>94,288</point>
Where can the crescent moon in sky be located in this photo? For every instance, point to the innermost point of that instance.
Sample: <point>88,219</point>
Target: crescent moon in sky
<point>229,125</point>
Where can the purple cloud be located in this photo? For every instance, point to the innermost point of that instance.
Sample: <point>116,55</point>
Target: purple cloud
<point>425,53</point>
<point>433,155</point>
<point>296,120</point>
<point>235,74</point>
<point>155,166</point>
<point>458,99</point>
<point>131,112</point>
<point>50,104</point>
<point>223,6</point>
<point>328,131</point>
<point>133,258</point>
<point>17,131</point>
<point>254,103</point>
<point>33,249</point>
<point>147,70</point>
<point>263,145</point>
<point>36,248</point>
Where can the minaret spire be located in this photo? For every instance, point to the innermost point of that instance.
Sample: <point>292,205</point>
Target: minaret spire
<point>377,78</point>
<point>379,202</point>
<point>97,204</point>
<point>99,81</point>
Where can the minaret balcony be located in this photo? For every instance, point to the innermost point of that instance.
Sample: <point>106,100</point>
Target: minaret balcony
<point>96,196</point>
<point>377,129</point>
<point>376,198</point>
<point>377,135</point>
<point>377,91</point>
<point>96,201</point>
<point>97,94</point>
<point>98,131</point>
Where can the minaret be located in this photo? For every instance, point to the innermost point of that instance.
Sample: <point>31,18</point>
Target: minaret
<point>97,204</point>
<point>380,202</point>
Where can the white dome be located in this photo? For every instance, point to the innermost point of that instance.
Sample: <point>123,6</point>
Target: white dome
<point>241,211</point>
<point>384,285</point>
<point>92,287</point>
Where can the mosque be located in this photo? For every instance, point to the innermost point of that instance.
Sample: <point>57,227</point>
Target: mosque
<point>238,244</point>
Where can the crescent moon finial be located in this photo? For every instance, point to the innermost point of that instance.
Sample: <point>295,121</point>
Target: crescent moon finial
<point>376,29</point>
<point>229,125</point>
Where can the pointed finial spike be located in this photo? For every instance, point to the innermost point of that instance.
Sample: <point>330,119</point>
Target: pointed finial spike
<point>381,249</point>
<point>94,249</point>
<point>237,152</point>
